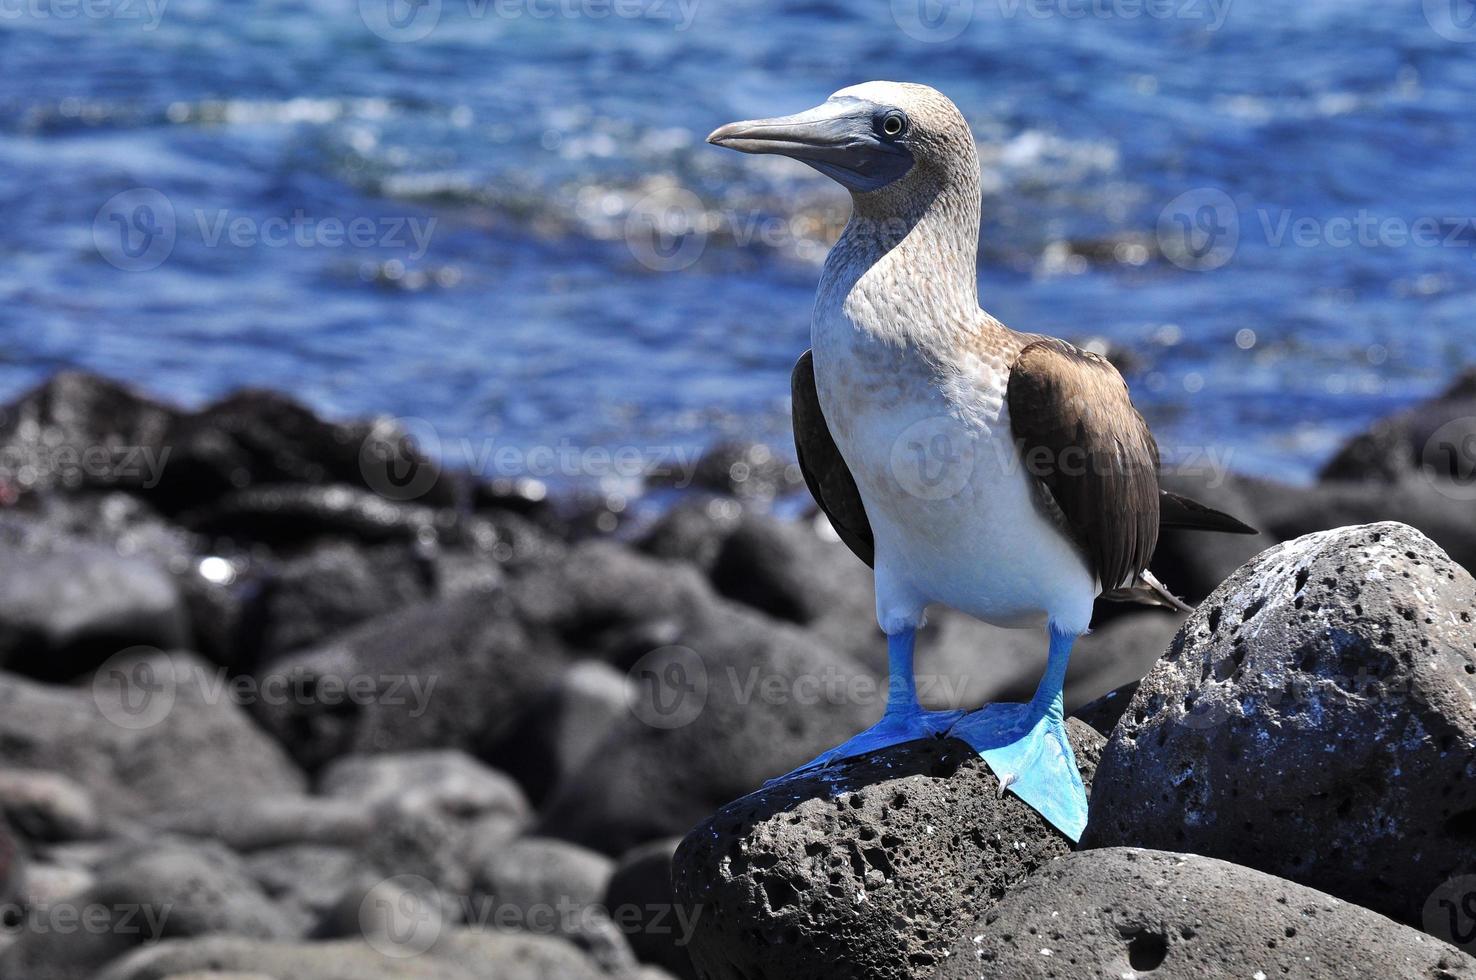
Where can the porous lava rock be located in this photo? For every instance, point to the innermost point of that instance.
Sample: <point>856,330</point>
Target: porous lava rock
<point>872,868</point>
<point>1315,719</point>
<point>1126,912</point>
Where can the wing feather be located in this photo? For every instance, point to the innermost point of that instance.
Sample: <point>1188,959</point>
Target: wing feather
<point>824,469</point>
<point>1088,447</point>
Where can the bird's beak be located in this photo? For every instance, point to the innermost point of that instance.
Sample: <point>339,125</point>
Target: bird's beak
<point>837,138</point>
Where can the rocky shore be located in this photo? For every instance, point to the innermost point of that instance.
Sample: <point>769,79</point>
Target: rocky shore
<point>281,698</point>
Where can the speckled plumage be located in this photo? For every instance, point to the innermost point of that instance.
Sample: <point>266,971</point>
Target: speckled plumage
<point>901,344</point>
<point>1004,474</point>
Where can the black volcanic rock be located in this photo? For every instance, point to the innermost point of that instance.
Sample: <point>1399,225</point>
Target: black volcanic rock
<point>12,867</point>
<point>1434,437</point>
<point>335,586</point>
<point>150,894</point>
<point>78,430</point>
<point>1104,712</point>
<point>1125,912</point>
<point>563,728</point>
<point>872,869</point>
<point>152,733</point>
<point>641,900</point>
<point>451,954</point>
<point>67,604</point>
<point>721,700</point>
<point>748,470</point>
<point>1315,719</point>
<point>445,673</point>
<point>1443,515</point>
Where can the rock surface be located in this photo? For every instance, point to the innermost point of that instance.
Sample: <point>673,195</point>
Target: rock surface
<point>872,869</point>
<point>1125,912</point>
<point>448,954</point>
<point>1434,436</point>
<point>133,737</point>
<point>1315,719</point>
<point>642,902</point>
<point>416,691</point>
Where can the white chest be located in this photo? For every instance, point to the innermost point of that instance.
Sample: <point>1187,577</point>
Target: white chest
<point>928,441</point>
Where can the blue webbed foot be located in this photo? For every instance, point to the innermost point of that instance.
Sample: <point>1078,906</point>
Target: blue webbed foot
<point>904,720</point>
<point>1032,758</point>
<point>1027,747</point>
<point>894,729</point>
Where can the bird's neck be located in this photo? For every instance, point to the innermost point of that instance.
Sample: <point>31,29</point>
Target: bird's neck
<point>907,262</point>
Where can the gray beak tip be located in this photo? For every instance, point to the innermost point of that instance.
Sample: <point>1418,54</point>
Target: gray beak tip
<point>717,136</point>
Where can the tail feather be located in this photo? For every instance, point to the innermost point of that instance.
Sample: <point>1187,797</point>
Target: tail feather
<point>1149,591</point>
<point>1180,512</point>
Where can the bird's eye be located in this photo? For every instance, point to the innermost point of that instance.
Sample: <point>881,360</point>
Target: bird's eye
<point>893,124</point>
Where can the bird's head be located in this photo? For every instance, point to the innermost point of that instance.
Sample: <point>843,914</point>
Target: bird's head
<point>867,137</point>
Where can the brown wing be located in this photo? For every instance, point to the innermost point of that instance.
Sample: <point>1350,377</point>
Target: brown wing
<point>826,473</point>
<point>1080,436</point>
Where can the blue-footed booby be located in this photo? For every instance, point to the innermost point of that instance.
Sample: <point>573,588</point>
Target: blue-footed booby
<point>1004,474</point>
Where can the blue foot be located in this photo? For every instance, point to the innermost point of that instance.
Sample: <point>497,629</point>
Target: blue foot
<point>1032,758</point>
<point>1027,748</point>
<point>893,729</point>
<point>904,721</point>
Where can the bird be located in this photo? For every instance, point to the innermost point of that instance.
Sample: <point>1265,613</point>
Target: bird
<point>1004,474</point>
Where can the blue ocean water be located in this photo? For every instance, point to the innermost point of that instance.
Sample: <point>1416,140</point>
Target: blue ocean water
<point>498,218</point>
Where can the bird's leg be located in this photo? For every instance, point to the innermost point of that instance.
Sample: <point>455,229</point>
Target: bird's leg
<point>1027,748</point>
<point>904,719</point>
